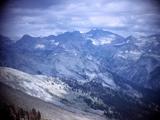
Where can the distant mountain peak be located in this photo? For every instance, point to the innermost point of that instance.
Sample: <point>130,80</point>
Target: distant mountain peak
<point>73,32</point>
<point>5,41</point>
<point>98,31</point>
<point>3,37</point>
<point>102,33</point>
<point>50,37</point>
<point>70,35</point>
<point>26,36</point>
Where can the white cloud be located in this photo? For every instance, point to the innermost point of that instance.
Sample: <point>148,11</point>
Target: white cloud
<point>122,17</point>
<point>108,21</point>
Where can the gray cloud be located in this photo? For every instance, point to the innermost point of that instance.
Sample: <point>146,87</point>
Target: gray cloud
<point>33,4</point>
<point>41,18</point>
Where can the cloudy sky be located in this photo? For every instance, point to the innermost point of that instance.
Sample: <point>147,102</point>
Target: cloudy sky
<point>46,17</point>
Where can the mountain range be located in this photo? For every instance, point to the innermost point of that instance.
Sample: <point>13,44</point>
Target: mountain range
<point>113,71</point>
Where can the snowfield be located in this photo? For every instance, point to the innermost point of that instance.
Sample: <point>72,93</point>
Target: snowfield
<point>41,87</point>
<point>48,111</point>
<point>48,89</point>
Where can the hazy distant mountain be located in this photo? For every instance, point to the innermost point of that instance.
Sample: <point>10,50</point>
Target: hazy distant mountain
<point>87,56</point>
<point>117,71</point>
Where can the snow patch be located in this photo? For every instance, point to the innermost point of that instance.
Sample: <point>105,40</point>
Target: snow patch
<point>43,87</point>
<point>132,54</point>
<point>101,41</point>
<point>56,43</point>
<point>39,46</point>
<point>53,42</point>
